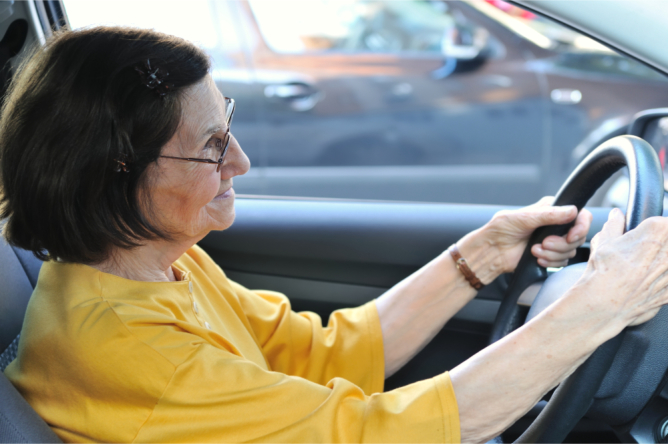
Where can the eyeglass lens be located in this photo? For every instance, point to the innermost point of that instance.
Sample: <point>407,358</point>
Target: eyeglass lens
<point>230,106</point>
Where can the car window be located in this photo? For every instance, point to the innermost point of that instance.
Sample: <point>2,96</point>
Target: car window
<point>201,22</point>
<point>194,22</point>
<point>353,25</point>
<point>412,100</point>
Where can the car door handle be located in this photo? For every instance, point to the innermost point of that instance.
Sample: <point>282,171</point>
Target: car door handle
<point>289,91</point>
<point>298,95</point>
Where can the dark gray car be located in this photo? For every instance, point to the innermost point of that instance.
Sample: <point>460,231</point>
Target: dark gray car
<point>420,100</point>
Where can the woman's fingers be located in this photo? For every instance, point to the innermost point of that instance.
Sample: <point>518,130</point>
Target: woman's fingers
<point>555,251</point>
<point>581,227</point>
<point>529,218</point>
<point>558,244</point>
<point>548,258</point>
<point>552,264</point>
<point>552,255</point>
<point>545,201</point>
<point>613,228</point>
<point>632,269</point>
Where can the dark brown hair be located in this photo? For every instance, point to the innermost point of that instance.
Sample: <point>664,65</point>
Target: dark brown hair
<point>75,107</point>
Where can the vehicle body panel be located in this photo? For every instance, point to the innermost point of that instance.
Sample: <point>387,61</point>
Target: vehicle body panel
<point>333,119</point>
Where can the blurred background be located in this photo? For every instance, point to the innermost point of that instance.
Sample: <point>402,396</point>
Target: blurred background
<point>410,100</point>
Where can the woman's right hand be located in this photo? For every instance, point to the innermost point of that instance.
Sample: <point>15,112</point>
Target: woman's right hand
<point>625,283</point>
<point>628,272</point>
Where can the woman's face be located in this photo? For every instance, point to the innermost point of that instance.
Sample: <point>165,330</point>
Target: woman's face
<point>189,199</point>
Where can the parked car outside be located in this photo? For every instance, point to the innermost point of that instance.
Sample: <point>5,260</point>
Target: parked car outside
<point>413,100</point>
<point>328,254</point>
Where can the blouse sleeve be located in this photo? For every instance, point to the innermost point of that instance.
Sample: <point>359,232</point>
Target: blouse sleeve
<point>215,396</point>
<point>297,344</point>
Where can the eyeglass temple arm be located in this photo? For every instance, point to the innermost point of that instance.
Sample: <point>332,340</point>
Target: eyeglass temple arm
<point>191,159</point>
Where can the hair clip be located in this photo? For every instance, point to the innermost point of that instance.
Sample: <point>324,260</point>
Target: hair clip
<point>154,79</point>
<point>122,164</point>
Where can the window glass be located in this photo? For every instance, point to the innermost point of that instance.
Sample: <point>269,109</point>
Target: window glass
<point>352,25</point>
<point>209,24</point>
<point>193,22</point>
<point>442,101</point>
<point>434,101</point>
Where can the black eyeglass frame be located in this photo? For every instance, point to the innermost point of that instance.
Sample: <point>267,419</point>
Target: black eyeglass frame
<point>230,106</point>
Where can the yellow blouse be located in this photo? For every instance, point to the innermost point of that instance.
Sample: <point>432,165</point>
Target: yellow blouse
<point>102,358</point>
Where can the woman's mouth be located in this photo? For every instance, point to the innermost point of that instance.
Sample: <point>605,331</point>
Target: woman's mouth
<point>227,194</point>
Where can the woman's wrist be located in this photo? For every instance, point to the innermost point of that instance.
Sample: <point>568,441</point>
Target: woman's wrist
<point>481,254</point>
<point>578,308</point>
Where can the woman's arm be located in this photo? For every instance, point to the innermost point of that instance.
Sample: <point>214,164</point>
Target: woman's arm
<point>624,284</point>
<point>413,311</point>
<point>502,382</point>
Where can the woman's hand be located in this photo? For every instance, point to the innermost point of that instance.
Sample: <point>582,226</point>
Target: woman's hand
<point>509,233</point>
<point>628,273</point>
<point>625,283</point>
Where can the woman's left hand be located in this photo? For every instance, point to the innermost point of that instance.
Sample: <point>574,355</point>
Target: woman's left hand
<point>509,231</point>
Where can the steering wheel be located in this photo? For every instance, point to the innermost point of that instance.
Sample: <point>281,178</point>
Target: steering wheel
<point>618,381</point>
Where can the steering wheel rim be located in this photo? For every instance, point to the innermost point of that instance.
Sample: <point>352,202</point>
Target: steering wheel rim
<point>574,396</point>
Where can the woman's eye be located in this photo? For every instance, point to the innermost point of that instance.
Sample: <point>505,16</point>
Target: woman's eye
<point>213,143</point>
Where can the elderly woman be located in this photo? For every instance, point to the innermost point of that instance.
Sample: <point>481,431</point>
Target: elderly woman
<point>117,158</point>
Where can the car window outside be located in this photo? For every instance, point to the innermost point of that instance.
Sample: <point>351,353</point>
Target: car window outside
<point>441,101</point>
<point>198,22</point>
<point>351,25</point>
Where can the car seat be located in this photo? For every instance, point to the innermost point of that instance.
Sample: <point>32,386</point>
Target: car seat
<point>18,276</point>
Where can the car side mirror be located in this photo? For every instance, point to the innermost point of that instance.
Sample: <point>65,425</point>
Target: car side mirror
<point>464,49</point>
<point>464,42</point>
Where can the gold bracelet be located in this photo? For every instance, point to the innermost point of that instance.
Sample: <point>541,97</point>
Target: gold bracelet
<point>462,266</point>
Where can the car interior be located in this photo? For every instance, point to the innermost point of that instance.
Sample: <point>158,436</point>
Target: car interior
<point>327,254</point>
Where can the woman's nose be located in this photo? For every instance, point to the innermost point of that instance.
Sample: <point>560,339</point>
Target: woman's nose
<point>236,162</point>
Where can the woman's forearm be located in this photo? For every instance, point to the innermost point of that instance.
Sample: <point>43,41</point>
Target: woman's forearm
<point>498,385</point>
<point>413,311</point>
<point>625,283</point>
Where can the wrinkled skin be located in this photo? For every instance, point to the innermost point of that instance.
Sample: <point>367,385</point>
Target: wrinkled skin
<point>625,283</point>
<point>630,271</point>
<point>510,231</point>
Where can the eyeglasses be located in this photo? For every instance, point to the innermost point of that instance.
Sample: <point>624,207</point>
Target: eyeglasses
<point>222,145</point>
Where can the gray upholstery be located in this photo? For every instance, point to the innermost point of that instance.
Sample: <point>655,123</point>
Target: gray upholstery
<point>15,290</point>
<point>18,421</point>
<point>18,275</point>
<point>9,354</point>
